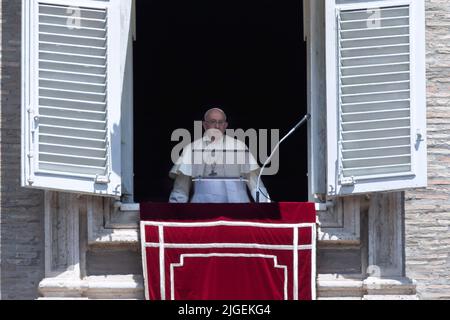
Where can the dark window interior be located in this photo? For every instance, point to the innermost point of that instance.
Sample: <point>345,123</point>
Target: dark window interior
<point>247,57</point>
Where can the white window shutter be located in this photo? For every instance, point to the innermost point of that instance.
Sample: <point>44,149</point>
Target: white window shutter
<point>71,96</point>
<point>376,108</point>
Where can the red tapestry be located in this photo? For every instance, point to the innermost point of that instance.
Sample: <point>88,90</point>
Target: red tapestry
<point>228,251</point>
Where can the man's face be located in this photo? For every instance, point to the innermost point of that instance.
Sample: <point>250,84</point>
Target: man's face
<point>215,122</point>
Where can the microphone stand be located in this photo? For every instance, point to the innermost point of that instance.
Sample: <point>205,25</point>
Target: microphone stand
<point>298,125</point>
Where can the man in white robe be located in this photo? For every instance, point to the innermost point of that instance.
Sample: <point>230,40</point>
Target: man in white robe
<point>218,168</point>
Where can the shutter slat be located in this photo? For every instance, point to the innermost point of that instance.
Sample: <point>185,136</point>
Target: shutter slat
<point>375,124</point>
<point>72,141</point>
<point>71,159</point>
<point>365,88</point>
<point>78,38</point>
<point>64,56</point>
<point>378,52</point>
<point>375,42</point>
<point>375,60</point>
<point>64,26</point>
<point>395,151</point>
<point>375,96</point>
<point>367,150</point>
<point>72,95</point>
<point>377,161</point>
<point>380,44</point>
<point>375,115</point>
<point>374,134</point>
<point>62,20</point>
<point>375,32</point>
<point>74,85</point>
<point>376,142</point>
<point>72,58</point>
<point>361,70</point>
<point>72,113</point>
<point>73,64</point>
<point>74,40</point>
<point>72,76</point>
<point>61,16</point>
<point>65,11</point>
<point>71,67</point>
<point>71,104</point>
<point>71,48</point>
<point>388,22</point>
<point>52,167</point>
<point>75,132</point>
<point>73,150</point>
<point>364,14</point>
<point>89,33</point>
<point>374,170</point>
<point>73,123</point>
<point>373,152</point>
<point>375,105</point>
<point>375,78</point>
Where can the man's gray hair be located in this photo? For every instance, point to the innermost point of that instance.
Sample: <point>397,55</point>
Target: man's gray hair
<point>214,109</point>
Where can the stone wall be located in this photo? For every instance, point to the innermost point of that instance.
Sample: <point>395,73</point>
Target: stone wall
<point>427,214</point>
<point>21,210</point>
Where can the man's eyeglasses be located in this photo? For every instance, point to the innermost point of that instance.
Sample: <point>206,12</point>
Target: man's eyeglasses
<point>215,122</point>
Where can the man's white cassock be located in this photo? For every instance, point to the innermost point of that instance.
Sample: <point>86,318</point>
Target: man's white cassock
<point>219,171</point>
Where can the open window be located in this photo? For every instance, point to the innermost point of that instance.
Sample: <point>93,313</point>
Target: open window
<point>366,93</point>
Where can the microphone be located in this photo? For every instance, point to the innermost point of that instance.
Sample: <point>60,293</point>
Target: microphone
<point>307,117</point>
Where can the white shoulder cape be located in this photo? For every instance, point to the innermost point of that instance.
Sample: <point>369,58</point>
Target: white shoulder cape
<point>237,159</point>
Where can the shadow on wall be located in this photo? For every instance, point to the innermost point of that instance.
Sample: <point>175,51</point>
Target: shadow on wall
<point>22,210</point>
